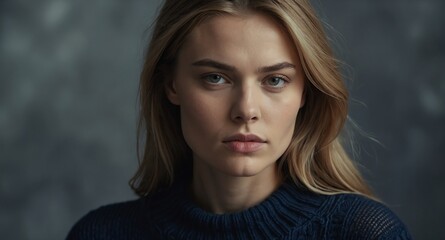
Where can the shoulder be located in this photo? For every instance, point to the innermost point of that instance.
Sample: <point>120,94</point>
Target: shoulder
<point>364,218</point>
<point>112,221</point>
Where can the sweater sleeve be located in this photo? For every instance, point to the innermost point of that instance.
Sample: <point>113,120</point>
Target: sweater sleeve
<point>93,225</point>
<point>368,219</point>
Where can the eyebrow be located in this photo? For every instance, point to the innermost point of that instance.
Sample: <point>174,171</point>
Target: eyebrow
<point>215,64</point>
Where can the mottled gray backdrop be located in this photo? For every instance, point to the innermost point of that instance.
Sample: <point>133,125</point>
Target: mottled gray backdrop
<point>68,82</point>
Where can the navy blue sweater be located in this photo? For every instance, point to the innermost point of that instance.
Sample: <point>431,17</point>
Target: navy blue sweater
<point>289,213</point>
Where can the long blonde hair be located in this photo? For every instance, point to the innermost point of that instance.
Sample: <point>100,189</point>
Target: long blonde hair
<point>315,157</point>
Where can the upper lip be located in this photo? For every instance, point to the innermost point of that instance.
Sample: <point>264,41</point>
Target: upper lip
<point>243,138</point>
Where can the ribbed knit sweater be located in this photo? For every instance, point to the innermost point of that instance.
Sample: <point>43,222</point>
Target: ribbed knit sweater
<point>288,213</point>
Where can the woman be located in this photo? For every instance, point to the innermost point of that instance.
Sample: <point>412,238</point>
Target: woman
<point>242,104</point>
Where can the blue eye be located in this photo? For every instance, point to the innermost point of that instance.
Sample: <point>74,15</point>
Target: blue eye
<point>276,82</point>
<point>215,79</point>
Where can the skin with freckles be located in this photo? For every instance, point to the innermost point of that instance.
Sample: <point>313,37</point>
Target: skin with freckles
<point>239,85</point>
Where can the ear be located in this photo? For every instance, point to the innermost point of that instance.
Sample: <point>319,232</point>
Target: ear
<point>170,91</point>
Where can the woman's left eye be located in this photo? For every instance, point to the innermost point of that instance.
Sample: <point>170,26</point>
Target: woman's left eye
<point>276,82</point>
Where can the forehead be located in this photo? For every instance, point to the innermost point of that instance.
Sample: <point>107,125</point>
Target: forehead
<point>251,23</point>
<point>251,36</point>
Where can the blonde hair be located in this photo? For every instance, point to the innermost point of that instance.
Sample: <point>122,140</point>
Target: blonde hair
<point>315,157</point>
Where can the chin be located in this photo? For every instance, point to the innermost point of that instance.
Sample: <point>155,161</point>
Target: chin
<point>245,168</point>
<point>242,173</point>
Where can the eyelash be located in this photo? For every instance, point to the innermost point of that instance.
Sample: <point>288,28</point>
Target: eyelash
<point>207,77</point>
<point>283,79</point>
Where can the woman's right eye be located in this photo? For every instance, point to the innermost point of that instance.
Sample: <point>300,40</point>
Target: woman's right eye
<point>215,79</point>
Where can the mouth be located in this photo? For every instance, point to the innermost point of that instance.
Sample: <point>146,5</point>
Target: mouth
<point>244,143</point>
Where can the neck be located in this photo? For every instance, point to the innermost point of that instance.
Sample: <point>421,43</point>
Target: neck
<point>219,193</point>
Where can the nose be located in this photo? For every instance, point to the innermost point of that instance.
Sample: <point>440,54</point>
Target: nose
<point>246,105</point>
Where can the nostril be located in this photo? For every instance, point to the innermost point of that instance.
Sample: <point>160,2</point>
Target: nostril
<point>239,118</point>
<point>246,118</point>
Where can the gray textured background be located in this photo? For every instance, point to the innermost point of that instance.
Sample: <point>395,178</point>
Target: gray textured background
<point>68,83</point>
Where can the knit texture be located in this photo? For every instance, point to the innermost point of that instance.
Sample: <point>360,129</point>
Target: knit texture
<point>289,213</point>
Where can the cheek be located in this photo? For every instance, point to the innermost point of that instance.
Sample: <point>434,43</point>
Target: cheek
<point>287,121</point>
<point>284,118</point>
<point>199,119</point>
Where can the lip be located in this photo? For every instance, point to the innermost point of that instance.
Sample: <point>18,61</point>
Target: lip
<point>244,138</point>
<point>244,143</point>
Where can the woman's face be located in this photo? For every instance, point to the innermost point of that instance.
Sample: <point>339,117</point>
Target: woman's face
<point>239,85</point>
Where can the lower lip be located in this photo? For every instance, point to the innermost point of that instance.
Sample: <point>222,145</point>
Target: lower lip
<point>244,147</point>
